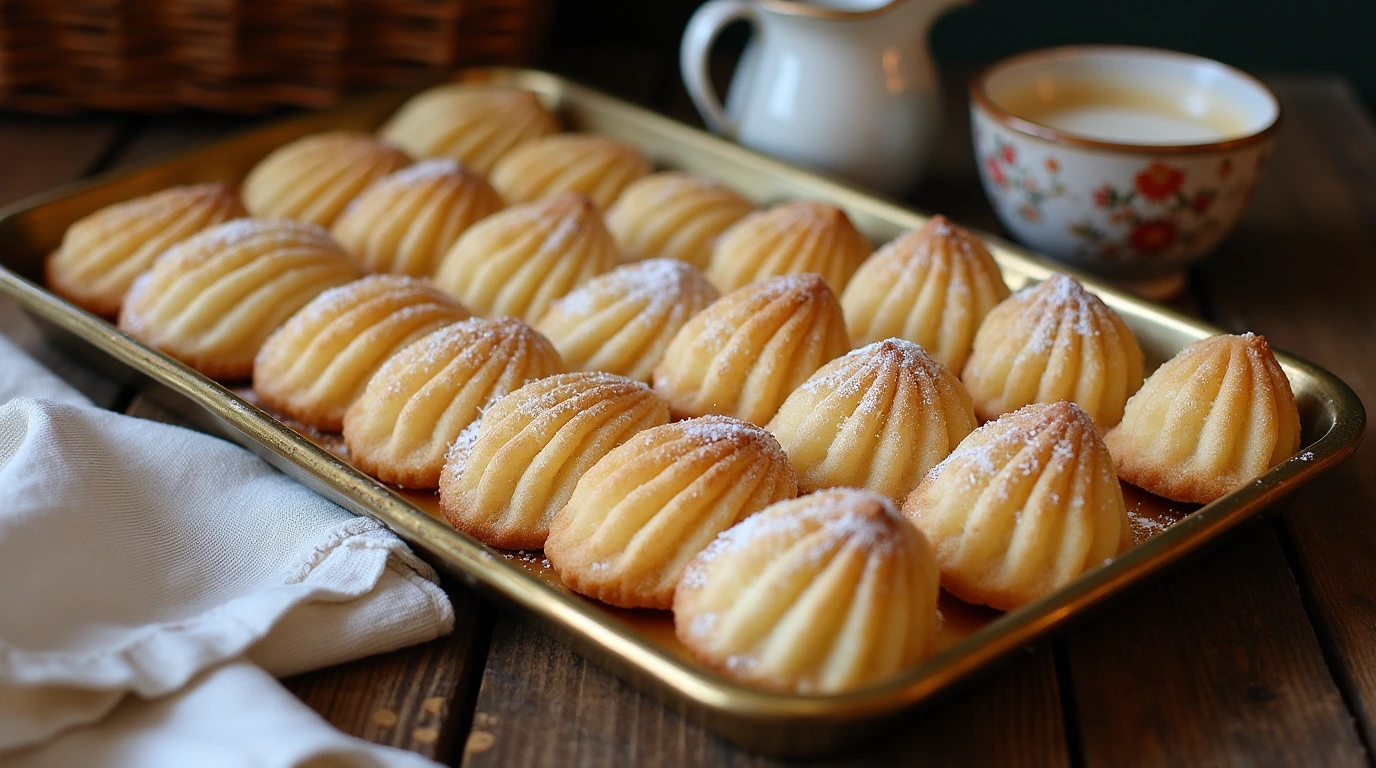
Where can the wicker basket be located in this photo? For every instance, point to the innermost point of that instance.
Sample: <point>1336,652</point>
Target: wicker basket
<point>243,55</point>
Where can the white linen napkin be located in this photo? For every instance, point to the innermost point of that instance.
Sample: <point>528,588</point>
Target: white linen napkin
<point>146,569</point>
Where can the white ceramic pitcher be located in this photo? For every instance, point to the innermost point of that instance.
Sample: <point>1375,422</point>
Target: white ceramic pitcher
<point>845,86</point>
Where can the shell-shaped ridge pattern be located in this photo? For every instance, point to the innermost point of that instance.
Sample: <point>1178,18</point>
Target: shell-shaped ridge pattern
<point>878,418</point>
<point>647,507</point>
<point>1024,505</point>
<point>825,593</point>
<point>432,393</point>
<point>1209,420</point>
<point>1054,341</point>
<point>314,366</point>
<point>504,485</point>
<point>746,352</point>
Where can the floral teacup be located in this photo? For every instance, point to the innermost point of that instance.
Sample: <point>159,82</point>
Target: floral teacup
<point>1128,162</point>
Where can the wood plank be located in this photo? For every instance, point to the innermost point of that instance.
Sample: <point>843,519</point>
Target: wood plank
<point>1300,270</point>
<point>418,698</point>
<point>542,704</point>
<point>1215,664</point>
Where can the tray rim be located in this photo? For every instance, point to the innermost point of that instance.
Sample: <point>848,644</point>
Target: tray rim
<point>724,705</point>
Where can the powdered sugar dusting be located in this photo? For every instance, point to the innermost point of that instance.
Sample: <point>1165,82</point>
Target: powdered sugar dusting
<point>940,237</point>
<point>469,341</point>
<point>657,284</point>
<point>702,624</point>
<point>457,454</point>
<point>572,391</point>
<point>720,321</point>
<point>331,301</point>
<point>741,663</point>
<point>527,557</point>
<point>704,430</point>
<point>807,285</point>
<point>1012,432</point>
<point>859,378</point>
<point>425,170</point>
<point>709,429</point>
<point>906,357</point>
<point>1145,526</point>
<point>1048,303</point>
<point>237,232</point>
<point>862,518</point>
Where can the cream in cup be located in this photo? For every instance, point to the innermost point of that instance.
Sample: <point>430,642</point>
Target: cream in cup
<point>1127,162</point>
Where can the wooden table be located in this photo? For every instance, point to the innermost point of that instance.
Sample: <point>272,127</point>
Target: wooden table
<point>1259,651</point>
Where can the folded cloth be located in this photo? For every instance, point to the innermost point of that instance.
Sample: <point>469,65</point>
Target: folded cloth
<point>233,715</point>
<point>144,563</point>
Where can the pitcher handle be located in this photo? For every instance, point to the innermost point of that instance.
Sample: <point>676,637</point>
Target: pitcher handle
<point>702,31</point>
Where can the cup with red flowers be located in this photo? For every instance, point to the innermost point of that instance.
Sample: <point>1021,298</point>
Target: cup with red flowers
<point>1131,163</point>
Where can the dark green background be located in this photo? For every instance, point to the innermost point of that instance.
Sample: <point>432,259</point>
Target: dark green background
<point>1262,36</point>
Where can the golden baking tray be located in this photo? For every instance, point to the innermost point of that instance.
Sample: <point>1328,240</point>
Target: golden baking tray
<point>639,645</point>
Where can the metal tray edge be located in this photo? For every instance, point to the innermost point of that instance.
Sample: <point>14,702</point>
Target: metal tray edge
<point>777,723</point>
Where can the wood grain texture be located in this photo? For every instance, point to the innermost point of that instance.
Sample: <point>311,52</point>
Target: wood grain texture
<point>417,698</point>
<point>1214,664</point>
<point>1301,269</point>
<point>541,704</point>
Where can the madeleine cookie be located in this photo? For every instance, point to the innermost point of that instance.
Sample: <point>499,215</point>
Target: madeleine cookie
<point>504,483</point>
<point>1054,341</point>
<point>1208,421</point>
<point>877,418</point>
<point>594,166</point>
<point>518,261</point>
<point>315,366</point>
<point>406,221</point>
<point>622,321</point>
<point>788,239</point>
<point>473,124</point>
<point>313,178</point>
<point>932,286</point>
<point>102,253</point>
<point>822,594</point>
<point>1023,506</point>
<point>647,507</point>
<point>747,351</point>
<point>213,299</point>
<point>674,215</point>
<point>427,395</point>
